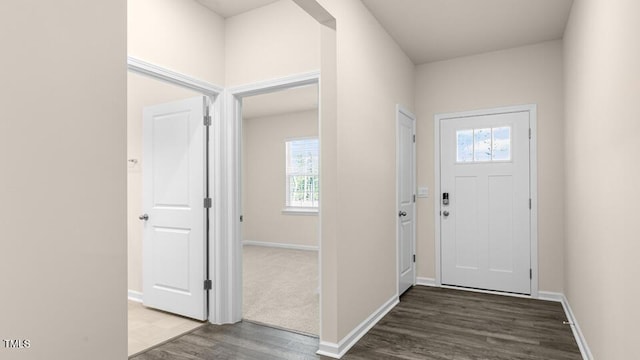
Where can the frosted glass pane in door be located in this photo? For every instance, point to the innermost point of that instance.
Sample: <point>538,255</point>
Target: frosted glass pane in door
<point>482,144</point>
<point>501,143</point>
<point>464,142</point>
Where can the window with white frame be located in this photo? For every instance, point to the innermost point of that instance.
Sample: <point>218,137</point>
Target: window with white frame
<point>302,173</point>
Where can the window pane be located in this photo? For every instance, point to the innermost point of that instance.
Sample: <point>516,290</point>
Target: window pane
<point>302,173</point>
<point>482,145</point>
<point>302,156</point>
<point>464,145</point>
<point>502,143</point>
<point>303,191</point>
<point>316,190</point>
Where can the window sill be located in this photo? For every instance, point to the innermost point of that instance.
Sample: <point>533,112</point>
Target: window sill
<point>299,211</point>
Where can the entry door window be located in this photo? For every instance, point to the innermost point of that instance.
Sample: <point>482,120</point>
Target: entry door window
<point>483,145</point>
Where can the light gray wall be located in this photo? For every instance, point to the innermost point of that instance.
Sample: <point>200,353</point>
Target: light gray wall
<point>181,35</point>
<point>602,88</point>
<point>373,76</point>
<point>272,41</point>
<point>63,184</point>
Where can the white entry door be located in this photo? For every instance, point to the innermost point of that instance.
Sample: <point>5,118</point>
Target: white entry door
<point>174,189</point>
<point>485,202</point>
<point>406,200</point>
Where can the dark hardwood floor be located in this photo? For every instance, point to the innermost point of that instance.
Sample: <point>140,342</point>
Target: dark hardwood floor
<point>429,323</point>
<point>436,323</point>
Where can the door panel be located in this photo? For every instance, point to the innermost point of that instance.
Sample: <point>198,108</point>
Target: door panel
<point>466,230</point>
<point>485,238</point>
<point>406,205</point>
<point>174,190</point>
<point>171,246</point>
<point>170,162</point>
<point>500,223</point>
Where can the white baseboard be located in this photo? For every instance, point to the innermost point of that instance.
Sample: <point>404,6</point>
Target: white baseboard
<point>134,296</point>
<point>329,349</point>
<point>425,281</point>
<point>575,328</point>
<point>280,245</point>
<point>577,332</point>
<point>550,296</point>
<point>338,350</point>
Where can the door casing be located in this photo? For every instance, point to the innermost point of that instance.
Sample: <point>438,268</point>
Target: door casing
<point>216,191</point>
<point>533,176</point>
<point>230,309</point>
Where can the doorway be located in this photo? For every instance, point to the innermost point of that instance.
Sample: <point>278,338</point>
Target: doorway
<point>486,211</point>
<point>280,209</point>
<point>167,211</point>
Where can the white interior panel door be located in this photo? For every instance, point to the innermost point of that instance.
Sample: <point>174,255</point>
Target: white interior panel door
<point>173,201</point>
<point>485,227</point>
<point>406,201</point>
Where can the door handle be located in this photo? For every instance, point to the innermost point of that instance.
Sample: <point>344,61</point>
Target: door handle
<point>402,213</point>
<point>144,217</point>
<point>445,213</point>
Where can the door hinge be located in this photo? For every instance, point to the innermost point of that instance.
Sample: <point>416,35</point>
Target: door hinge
<point>241,218</point>
<point>414,257</point>
<point>529,133</point>
<point>414,137</point>
<point>207,115</point>
<point>530,274</point>
<point>414,197</point>
<point>529,203</point>
<point>208,285</point>
<point>207,203</point>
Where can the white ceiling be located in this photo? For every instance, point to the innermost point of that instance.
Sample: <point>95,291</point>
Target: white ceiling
<point>228,8</point>
<point>427,30</point>
<point>281,102</point>
<point>432,30</point>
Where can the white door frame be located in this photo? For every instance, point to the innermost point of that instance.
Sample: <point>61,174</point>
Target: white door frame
<point>225,246</point>
<point>214,234</point>
<point>230,309</point>
<point>402,110</point>
<point>533,181</point>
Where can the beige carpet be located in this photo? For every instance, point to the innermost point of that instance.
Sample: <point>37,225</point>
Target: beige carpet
<point>281,288</point>
<point>149,327</point>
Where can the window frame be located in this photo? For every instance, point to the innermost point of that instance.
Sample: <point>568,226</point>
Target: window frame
<point>297,209</point>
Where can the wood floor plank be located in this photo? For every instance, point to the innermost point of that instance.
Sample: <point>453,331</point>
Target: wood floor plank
<point>428,323</point>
